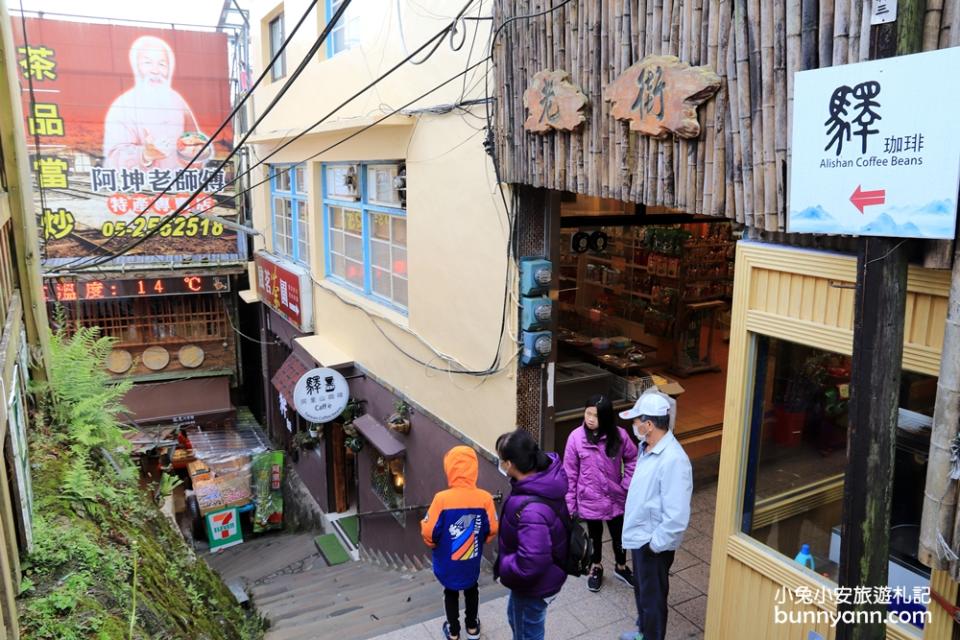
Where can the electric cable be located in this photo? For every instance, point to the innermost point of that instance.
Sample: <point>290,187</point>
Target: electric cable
<point>321,38</point>
<point>33,106</point>
<point>438,36</point>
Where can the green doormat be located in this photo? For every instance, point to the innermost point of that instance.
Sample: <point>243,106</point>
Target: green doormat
<point>351,527</point>
<point>333,552</point>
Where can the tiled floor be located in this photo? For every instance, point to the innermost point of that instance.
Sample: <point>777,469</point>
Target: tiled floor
<point>582,615</point>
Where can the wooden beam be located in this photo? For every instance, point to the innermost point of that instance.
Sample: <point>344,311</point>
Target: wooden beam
<point>881,297</point>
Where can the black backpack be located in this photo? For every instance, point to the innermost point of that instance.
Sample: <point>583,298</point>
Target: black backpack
<point>579,545</point>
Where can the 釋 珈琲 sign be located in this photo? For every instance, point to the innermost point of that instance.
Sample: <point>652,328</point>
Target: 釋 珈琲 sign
<point>223,529</point>
<point>876,148</point>
<point>321,395</point>
<point>286,289</point>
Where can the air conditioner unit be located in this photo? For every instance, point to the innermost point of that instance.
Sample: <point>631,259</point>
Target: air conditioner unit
<point>343,182</point>
<point>387,184</point>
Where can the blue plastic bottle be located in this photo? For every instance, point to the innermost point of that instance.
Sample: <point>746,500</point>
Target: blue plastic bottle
<point>804,557</point>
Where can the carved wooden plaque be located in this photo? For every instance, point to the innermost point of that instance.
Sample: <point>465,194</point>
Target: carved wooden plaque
<point>659,95</point>
<point>553,102</point>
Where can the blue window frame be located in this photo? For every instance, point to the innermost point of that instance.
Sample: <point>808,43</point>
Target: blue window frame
<point>365,229</point>
<point>290,212</point>
<point>343,35</point>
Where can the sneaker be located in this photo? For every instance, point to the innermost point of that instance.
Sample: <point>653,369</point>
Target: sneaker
<point>595,579</point>
<point>631,635</point>
<point>624,575</point>
<point>447,634</point>
<point>475,634</point>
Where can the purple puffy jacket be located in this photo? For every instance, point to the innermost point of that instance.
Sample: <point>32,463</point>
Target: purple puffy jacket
<point>597,484</point>
<point>532,538</point>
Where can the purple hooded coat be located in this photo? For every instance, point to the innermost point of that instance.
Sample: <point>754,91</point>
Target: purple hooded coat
<point>534,540</point>
<point>598,484</point>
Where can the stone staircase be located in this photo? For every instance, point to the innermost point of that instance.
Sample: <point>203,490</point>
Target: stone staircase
<point>290,584</point>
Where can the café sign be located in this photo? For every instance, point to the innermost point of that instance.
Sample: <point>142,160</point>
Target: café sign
<point>876,148</point>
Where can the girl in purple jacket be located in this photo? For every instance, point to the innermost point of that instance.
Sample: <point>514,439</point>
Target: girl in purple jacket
<point>533,537</point>
<point>599,460</point>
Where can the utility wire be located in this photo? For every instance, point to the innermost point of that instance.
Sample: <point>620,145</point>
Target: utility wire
<point>33,106</point>
<point>293,77</point>
<point>152,232</point>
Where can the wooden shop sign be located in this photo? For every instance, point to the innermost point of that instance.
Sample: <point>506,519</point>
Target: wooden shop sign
<point>553,102</point>
<point>659,95</point>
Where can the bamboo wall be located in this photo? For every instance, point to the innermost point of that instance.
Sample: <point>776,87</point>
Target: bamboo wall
<point>738,166</point>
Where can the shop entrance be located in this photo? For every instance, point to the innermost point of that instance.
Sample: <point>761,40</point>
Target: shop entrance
<point>643,300</point>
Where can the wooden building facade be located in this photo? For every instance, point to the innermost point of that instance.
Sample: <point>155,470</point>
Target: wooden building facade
<point>792,308</point>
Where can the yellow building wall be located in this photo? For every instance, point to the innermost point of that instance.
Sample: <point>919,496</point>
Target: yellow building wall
<point>456,226</point>
<point>806,297</point>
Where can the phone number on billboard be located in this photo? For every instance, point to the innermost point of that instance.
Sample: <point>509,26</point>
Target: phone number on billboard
<point>176,228</point>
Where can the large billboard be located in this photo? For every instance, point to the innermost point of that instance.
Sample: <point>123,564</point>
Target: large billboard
<point>117,114</point>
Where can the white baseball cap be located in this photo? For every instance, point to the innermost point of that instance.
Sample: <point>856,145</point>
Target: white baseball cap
<point>648,404</point>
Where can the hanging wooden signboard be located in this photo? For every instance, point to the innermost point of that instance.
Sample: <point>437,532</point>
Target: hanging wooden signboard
<point>659,95</point>
<point>553,102</point>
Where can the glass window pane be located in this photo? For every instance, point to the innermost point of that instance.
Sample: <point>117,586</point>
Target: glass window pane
<point>354,273</point>
<point>336,241</point>
<point>339,38</point>
<point>353,247</point>
<point>336,217</point>
<point>353,221</point>
<point>798,448</point>
<point>281,179</point>
<point>300,179</point>
<point>380,225</point>
<point>338,266</point>
<point>399,265</point>
<point>399,230</point>
<point>380,254</point>
<point>400,291</point>
<point>380,187</point>
<point>381,282</point>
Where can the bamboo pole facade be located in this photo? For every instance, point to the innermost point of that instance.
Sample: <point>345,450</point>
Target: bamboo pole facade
<point>738,166</point>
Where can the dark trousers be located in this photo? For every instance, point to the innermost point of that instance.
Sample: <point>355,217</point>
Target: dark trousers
<point>615,527</point>
<point>451,602</point>
<point>651,571</point>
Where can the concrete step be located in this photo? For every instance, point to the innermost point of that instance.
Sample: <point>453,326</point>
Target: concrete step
<point>322,596</point>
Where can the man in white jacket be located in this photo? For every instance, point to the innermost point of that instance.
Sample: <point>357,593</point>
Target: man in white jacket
<point>657,511</point>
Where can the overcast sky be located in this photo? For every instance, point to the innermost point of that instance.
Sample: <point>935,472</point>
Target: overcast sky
<point>201,12</point>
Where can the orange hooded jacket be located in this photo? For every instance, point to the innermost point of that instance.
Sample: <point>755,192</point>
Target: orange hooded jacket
<point>460,520</point>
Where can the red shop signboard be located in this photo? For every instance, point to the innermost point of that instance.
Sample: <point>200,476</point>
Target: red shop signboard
<point>286,289</point>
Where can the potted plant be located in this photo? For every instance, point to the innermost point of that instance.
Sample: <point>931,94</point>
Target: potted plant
<point>305,439</point>
<point>791,414</point>
<point>399,421</point>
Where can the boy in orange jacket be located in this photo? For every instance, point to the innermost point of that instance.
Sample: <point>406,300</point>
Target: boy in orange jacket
<point>460,520</point>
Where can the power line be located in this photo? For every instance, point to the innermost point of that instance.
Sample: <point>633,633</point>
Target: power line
<point>172,215</point>
<point>283,90</point>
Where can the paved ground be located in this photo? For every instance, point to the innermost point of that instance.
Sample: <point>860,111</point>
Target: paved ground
<point>579,614</point>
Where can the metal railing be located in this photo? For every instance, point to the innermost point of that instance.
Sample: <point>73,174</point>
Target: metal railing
<point>497,497</point>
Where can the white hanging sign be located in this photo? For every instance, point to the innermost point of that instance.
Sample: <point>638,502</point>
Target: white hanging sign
<point>883,11</point>
<point>876,148</point>
<point>321,395</point>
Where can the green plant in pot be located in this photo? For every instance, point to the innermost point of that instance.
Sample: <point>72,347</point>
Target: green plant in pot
<point>399,421</point>
<point>306,439</point>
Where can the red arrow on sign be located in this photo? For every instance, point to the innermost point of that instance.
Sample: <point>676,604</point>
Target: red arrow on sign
<point>861,199</point>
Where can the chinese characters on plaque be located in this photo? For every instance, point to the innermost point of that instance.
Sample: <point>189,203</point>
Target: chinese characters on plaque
<point>553,102</point>
<point>659,96</point>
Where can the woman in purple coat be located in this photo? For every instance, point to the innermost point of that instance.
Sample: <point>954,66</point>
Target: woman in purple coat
<point>599,460</point>
<point>533,538</point>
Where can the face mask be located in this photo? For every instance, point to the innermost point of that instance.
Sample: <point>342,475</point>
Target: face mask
<point>642,437</point>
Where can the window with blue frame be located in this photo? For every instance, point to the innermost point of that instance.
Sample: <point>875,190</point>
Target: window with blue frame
<point>345,32</point>
<point>365,224</point>
<point>288,202</point>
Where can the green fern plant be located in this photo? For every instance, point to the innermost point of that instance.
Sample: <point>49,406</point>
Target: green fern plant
<point>80,396</point>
